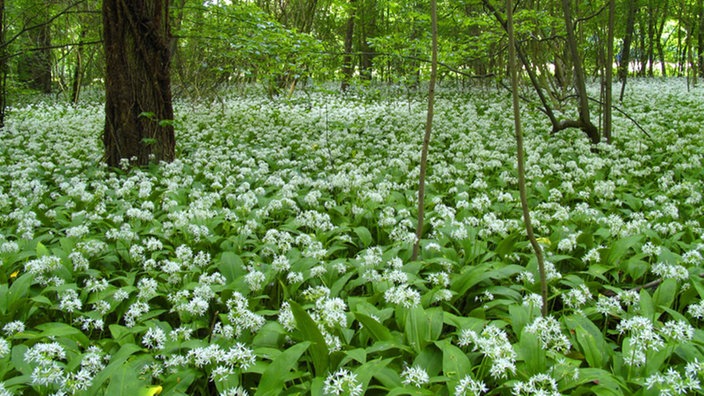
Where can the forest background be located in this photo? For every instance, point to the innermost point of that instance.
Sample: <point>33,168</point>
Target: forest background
<point>237,206</point>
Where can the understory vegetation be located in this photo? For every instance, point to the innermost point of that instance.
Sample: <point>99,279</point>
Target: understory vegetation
<point>272,257</point>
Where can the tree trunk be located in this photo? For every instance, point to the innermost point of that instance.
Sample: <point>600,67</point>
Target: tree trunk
<point>520,161</point>
<point>34,66</point>
<point>138,108</point>
<point>368,29</point>
<point>579,78</point>
<point>428,128</point>
<point>700,38</point>
<point>624,64</point>
<point>78,71</point>
<point>660,45</point>
<point>3,65</point>
<point>347,64</point>
<point>608,79</point>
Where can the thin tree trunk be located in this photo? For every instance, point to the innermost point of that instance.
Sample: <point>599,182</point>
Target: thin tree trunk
<point>428,128</point>
<point>700,38</point>
<point>347,65</point>
<point>608,83</point>
<point>624,65</point>
<point>138,107</point>
<point>513,69</point>
<point>579,79</point>
<point>3,65</point>
<point>658,39</point>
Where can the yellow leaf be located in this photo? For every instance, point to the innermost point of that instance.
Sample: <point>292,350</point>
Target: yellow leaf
<point>545,241</point>
<point>14,274</point>
<point>152,390</point>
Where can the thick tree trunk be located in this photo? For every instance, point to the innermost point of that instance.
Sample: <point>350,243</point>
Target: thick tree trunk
<point>34,67</point>
<point>347,65</point>
<point>138,108</point>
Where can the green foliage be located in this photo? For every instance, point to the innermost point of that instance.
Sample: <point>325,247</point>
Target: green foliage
<point>273,256</point>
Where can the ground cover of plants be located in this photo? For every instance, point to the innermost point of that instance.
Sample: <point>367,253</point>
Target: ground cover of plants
<point>273,256</point>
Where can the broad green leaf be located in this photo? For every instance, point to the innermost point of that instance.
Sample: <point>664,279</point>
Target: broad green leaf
<point>531,353</point>
<point>455,363</point>
<point>471,277</point>
<point>417,328</point>
<point>618,249</point>
<point>647,308</point>
<point>366,371</point>
<point>590,339</point>
<point>272,381</point>
<point>309,329</point>
<point>364,235</point>
<point>116,363</point>
<point>375,329</point>
<point>231,266</point>
<point>42,250</point>
<point>123,381</point>
<point>18,291</point>
<point>665,294</point>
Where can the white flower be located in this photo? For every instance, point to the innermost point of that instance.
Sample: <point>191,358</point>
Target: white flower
<point>539,384</point>
<point>402,295</point>
<point>154,338</point>
<point>13,327</point>
<point>492,342</point>
<point>469,387</point>
<point>670,271</point>
<point>4,347</point>
<point>548,331</point>
<point>416,376</point>
<point>342,382</point>
<point>679,331</point>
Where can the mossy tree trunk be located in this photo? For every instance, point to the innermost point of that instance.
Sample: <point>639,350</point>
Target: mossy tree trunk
<point>138,108</point>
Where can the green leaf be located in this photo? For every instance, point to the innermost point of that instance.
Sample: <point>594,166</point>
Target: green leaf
<point>41,250</point>
<point>309,329</point>
<point>455,363</point>
<point>123,381</point>
<point>591,341</point>
<point>531,353</point>
<point>471,277</point>
<point>417,328</point>
<point>272,381</point>
<point>375,329</point>
<point>665,294</point>
<point>619,248</point>
<point>647,308</point>
<point>231,266</point>
<point>116,363</point>
<point>364,235</point>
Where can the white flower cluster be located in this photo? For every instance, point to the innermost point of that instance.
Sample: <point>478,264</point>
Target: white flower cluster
<point>493,343</point>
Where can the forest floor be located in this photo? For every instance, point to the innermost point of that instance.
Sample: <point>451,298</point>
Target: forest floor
<point>273,256</point>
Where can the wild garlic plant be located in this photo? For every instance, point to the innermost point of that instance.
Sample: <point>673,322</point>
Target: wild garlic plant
<point>271,257</point>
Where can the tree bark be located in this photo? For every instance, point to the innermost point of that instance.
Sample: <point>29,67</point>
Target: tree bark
<point>513,70</point>
<point>609,67</point>
<point>700,38</point>
<point>138,108</point>
<point>626,51</point>
<point>3,65</point>
<point>579,78</point>
<point>347,65</point>
<point>428,128</point>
